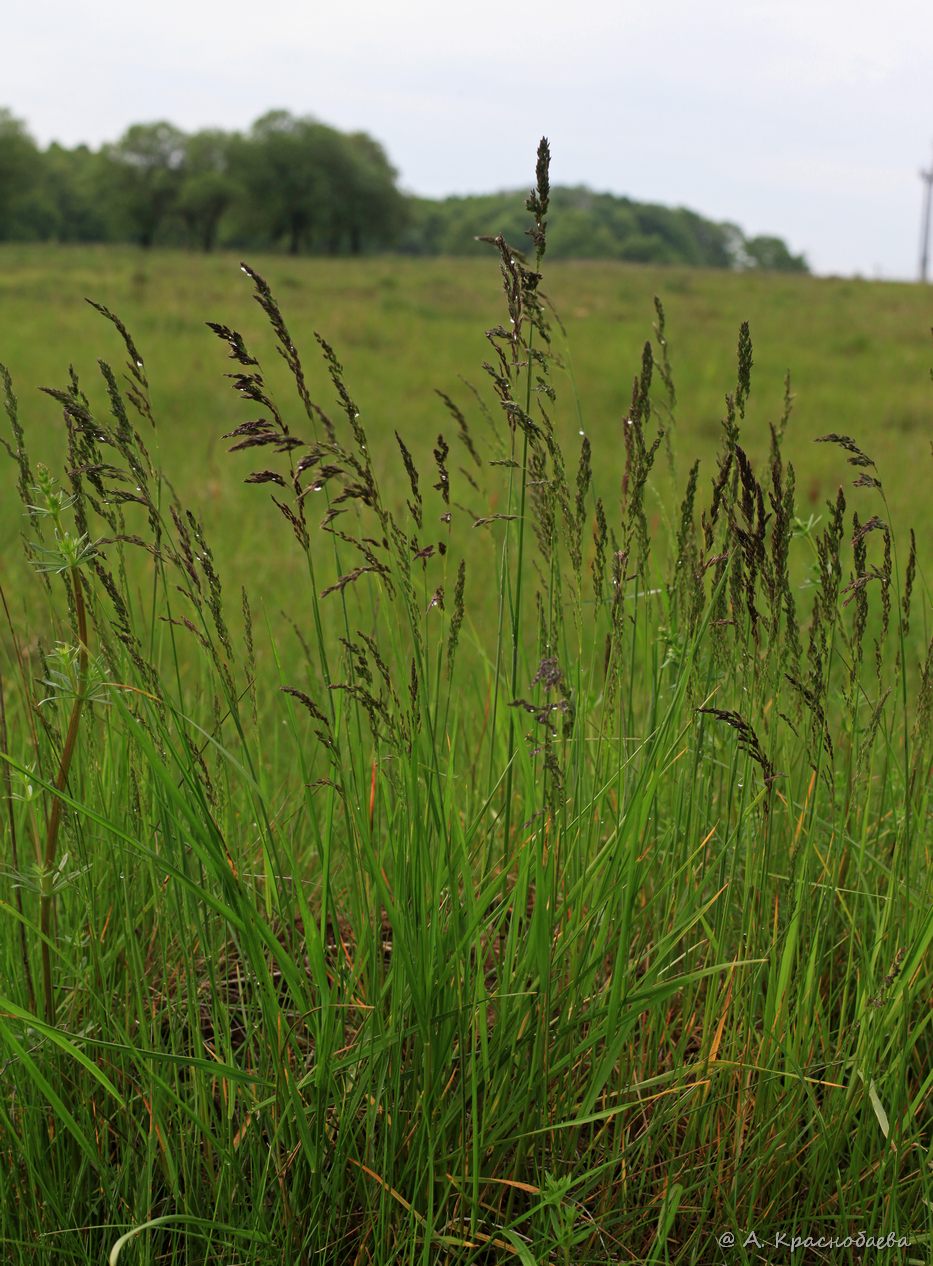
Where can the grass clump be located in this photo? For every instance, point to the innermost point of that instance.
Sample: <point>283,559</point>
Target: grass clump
<point>553,889</point>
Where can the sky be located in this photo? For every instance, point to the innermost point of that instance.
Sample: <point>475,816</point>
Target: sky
<point>807,119</point>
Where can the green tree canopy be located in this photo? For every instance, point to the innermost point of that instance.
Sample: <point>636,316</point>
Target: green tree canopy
<point>145,175</point>
<point>772,255</point>
<point>309,187</point>
<point>20,174</point>
<point>208,185</point>
<point>373,209</point>
<point>74,206</point>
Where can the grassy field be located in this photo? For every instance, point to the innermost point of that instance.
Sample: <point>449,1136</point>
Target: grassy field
<point>515,847</point>
<point>859,355</point>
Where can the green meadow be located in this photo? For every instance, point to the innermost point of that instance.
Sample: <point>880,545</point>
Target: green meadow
<point>858,352</point>
<point>472,830</point>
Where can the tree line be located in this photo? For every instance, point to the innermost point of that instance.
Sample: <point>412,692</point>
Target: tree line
<point>588,225</point>
<point>294,183</point>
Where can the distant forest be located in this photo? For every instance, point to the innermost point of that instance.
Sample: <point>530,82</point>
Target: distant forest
<point>295,184</point>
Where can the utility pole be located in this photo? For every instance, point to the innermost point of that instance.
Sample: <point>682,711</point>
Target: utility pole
<point>927,178</point>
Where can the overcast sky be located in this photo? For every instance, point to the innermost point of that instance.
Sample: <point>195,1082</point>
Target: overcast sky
<point>809,119</point>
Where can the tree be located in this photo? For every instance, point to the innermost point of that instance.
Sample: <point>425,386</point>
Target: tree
<point>207,186</point>
<point>313,188</point>
<point>20,173</point>
<point>283,165</point>
<point>772,254</point>
<point>145,177</point>
<point>75,195</point>
<point>373,208</point>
